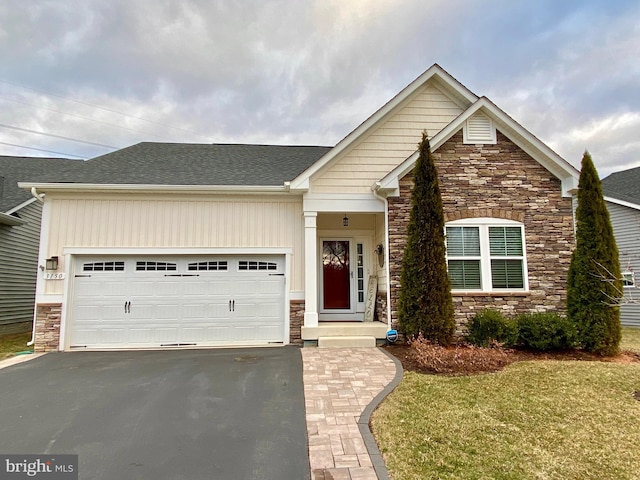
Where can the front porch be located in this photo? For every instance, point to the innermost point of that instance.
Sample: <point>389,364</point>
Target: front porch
<point>345,334</point>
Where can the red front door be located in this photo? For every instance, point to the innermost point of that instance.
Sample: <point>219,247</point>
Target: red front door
<point>336,276</point>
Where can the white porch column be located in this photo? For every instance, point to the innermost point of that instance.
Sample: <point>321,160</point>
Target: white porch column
<point>310,270</point>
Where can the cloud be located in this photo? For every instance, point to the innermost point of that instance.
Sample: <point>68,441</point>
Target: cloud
<point>309,71</point>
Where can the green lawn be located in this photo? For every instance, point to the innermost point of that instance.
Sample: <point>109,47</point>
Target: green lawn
<point>14,343</point>
<point>534,420</point>
<point>630,339</point>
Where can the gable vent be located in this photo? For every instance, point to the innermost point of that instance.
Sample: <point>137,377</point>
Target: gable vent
<point>479,129</point>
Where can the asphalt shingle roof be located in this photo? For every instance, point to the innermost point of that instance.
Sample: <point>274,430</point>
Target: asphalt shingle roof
<point>194,164</point>
<point>623,185</point>
<point>18,169</point>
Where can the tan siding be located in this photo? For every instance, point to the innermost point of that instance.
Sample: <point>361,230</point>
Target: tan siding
<point>176,222</point>
<point>389,145</point>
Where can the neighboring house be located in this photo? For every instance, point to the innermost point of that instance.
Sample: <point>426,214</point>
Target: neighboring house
<point>163,245</point>
<point>19,236</point>
<point>622,194</point>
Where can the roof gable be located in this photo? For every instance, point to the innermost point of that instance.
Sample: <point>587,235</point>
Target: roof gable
<point>442,80</point>
<point>555,164</point>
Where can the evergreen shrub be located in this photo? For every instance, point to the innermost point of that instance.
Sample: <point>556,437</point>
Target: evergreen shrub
<point>490,327</point>
<point>545,331</point>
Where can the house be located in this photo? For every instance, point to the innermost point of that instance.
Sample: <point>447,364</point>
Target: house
<point>622,195</point>
<point>165,245</point>
<point>19,236</point>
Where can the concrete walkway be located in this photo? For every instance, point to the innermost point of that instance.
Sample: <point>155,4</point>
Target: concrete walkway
<point>339,386</point>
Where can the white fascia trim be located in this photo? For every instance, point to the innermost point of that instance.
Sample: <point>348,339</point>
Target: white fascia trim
<point>10,220</point>
<point>177,251</point>
<point>205,189</point>
<point>49,298</point>
<point>352,203</point>
<point>21,206</point>
<point>624,203</point>
<point>516,133</point>
<point>442,79</point>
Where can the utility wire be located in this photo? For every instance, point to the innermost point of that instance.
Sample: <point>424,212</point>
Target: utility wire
<point>100,107</point>
<point>58,136</point>
<point>42,150</point>
<point>82,117</point>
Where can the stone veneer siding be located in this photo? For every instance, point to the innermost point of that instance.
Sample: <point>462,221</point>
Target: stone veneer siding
<point>47,327</point>
<point>500,181</point>
<point>381,307</point>
<point>296,320</point>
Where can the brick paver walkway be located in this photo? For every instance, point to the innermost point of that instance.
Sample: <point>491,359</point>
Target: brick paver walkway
<point>338,384</point>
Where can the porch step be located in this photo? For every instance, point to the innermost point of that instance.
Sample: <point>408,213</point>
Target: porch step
<point>346,341</point>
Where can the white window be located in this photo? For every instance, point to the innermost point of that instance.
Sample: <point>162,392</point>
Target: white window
<point>628,279</point>
<point>486,254</point>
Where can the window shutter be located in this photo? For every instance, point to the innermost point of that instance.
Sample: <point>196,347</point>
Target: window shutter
<point>505,241</point>
<point>463,241</point>
<point>465,274</point>
<point>507,274</point>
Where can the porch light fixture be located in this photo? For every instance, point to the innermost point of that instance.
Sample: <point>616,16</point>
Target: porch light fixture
<point>52,263</point>
<point>345,221</point>
<point>380,252</point>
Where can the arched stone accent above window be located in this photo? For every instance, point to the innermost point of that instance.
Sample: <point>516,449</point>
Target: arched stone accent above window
<point>515,215</point>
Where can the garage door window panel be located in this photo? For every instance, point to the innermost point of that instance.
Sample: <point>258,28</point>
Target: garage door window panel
<point>156,266</point>
<point>103,267</point>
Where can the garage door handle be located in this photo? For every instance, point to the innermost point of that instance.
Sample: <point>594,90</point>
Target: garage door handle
<point>276,274</point>
<point>233,305</point>
<point>127,307</point>
<point>229,305</point>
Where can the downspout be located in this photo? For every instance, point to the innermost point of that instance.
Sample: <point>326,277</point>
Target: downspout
<point>374,189</point>
<point>39,197</point>
<point>36,195</point>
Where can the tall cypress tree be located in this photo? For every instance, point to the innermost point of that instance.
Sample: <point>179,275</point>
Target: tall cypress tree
<point>595,283</point>
<point>424,304</point>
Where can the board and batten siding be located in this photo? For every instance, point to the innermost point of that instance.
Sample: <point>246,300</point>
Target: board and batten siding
<point>626,228</point>
<point>19,266</point>
<point>389,145</point>
<point>163,221</point>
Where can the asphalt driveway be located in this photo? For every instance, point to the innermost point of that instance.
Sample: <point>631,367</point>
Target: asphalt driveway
<point>188,414</point>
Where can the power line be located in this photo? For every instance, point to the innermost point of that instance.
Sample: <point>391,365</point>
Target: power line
<point>58,136</point>
<point>100,107</point>
<point>41,150</point>
<point>82,117</point>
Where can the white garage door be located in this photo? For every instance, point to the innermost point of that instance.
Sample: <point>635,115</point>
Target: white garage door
<point>150,302</point>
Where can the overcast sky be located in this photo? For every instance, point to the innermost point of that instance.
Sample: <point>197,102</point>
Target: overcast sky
<point>117,72</point>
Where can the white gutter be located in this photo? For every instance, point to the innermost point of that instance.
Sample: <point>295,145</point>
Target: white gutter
<point>6,219</point>
<point>34,193</point>
<point>149,188</point>
<point>374,189</point>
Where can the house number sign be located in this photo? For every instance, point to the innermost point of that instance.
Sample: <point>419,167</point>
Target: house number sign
<point>54,276</point>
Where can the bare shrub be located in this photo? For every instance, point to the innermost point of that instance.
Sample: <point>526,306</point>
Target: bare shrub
<point>458,359</point>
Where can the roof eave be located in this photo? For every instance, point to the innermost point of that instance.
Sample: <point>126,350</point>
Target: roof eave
<point>152,188</point>
<point>624,203</point>
<point>10,220</point>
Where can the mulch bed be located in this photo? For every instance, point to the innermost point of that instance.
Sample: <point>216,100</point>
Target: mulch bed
<point>468,360</point>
